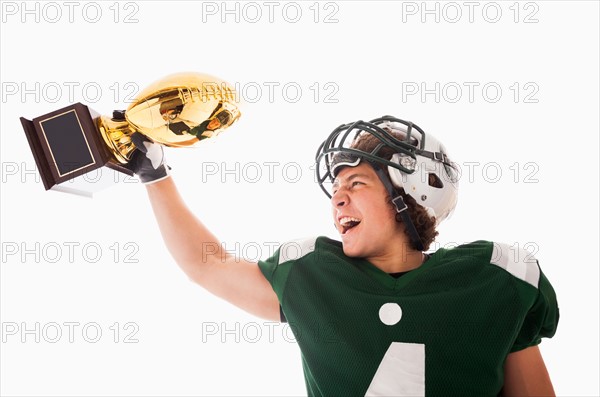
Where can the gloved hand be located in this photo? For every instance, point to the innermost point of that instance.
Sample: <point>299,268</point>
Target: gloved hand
<point>148,160</point>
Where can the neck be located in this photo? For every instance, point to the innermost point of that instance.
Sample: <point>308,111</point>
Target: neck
<point>402,259</point>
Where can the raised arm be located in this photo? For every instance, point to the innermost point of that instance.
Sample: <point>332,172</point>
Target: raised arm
<point>200,255</point>
<point>195,249</point>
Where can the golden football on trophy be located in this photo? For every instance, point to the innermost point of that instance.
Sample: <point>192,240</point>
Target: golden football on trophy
<point>179,110</point>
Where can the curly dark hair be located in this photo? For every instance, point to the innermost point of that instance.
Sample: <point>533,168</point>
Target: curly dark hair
<point>424,223</point>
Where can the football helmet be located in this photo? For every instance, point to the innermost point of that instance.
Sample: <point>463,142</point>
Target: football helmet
<point>419,163</point>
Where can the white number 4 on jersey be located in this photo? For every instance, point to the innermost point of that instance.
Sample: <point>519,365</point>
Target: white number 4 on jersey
<point>401,372</point>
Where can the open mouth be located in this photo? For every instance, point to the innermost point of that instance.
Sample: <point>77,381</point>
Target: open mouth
<point>348,223</point>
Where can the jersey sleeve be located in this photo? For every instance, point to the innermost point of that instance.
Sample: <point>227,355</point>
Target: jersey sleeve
<point>541,320</point>
<point>277,268</point>
<point>268,268</point>
<point>534,293</point>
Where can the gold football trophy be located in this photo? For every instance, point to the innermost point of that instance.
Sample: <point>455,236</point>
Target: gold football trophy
<point>179,110</point>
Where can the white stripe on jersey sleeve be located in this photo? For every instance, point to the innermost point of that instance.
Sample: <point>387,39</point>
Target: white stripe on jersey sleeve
<point>296,249</point>
<point>517,261</point>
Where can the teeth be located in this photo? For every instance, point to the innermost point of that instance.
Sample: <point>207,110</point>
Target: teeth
<point>347,219</point>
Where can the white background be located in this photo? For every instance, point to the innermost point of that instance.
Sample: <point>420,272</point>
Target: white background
<point>371,54</point>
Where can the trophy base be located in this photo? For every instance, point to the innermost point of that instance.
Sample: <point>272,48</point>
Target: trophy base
<point>66,146</point>
<point>93,182</point>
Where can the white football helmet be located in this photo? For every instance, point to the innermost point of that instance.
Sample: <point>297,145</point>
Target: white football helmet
<point>419,164</point>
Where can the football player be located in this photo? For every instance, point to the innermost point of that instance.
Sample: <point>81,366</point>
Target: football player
<point>375,314</point>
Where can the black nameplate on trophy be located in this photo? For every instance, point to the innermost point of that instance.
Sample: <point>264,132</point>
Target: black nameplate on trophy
<point>66,145</point>
<point>67,142</point>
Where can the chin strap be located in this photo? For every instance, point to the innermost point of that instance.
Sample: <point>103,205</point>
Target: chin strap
<point>401,208</point>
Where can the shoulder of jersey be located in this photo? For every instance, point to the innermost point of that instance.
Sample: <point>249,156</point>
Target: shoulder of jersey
<point>515,260</point>
<point>299,248</point>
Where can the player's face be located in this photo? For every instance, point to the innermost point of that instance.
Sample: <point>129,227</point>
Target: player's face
<point>214,124</point>
<point>362,213</point>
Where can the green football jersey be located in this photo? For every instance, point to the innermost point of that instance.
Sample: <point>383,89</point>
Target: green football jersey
<point>443,329</point>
